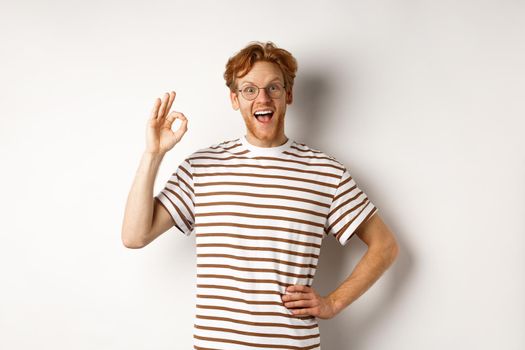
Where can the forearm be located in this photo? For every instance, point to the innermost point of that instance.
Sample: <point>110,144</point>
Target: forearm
<point>376,260</point>
<point>139,206</point>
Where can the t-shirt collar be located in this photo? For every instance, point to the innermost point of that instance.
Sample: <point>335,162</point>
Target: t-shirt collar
<point>265,151</point>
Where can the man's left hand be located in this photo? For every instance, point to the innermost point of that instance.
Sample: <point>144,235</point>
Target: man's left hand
<point>305,300</point>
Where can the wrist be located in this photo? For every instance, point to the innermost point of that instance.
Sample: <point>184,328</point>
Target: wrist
<point>153,155</point>
<point>337,305</point>
<point>150,162</point>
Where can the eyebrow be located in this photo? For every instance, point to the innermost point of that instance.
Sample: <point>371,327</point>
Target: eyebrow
<point>274,79</point>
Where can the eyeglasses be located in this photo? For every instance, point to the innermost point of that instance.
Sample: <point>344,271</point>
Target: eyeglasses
<point>274,90</point>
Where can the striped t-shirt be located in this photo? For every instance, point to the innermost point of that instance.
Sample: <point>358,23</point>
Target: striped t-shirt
<point>259,216</point>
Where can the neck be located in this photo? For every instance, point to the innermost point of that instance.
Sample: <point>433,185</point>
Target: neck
<point>274,142</point>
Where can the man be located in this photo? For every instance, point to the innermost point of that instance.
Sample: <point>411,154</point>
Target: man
<point>260,206</point>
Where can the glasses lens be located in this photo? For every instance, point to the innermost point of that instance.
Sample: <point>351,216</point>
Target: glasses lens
<point>275,90</point>
<point>250,92</point>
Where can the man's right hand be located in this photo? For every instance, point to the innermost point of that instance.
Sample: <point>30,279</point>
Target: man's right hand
<point>159,136</point>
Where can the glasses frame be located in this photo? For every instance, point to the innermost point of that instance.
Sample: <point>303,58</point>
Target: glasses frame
<point>259,90</point>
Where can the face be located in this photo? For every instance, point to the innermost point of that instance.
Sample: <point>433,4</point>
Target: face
<point>262,74</point>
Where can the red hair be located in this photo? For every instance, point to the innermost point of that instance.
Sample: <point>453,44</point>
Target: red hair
<point>242,62</point>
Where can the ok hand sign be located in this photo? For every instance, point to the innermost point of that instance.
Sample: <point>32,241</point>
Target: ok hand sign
<point>159,136</point>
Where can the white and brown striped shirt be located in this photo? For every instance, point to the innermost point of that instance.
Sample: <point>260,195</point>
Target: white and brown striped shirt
<point>259,216</point>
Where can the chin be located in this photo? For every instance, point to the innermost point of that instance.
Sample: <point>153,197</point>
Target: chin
<point>267,134</point>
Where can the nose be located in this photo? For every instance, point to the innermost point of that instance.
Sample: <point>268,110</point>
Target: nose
<point>263,96</point>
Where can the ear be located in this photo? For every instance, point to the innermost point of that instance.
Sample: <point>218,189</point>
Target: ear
<point>289,97</point>
<point>234,99</point>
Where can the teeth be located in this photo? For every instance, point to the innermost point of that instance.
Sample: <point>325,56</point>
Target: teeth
<point>263,112</point>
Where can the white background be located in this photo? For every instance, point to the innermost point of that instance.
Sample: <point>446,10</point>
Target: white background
<point>422,100</point>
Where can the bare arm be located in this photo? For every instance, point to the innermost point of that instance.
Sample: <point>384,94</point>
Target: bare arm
<point>144,218</point>
<point>139,213</point>
<point>381,253</point>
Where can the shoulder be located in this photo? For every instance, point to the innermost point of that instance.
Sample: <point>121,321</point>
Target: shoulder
<point>315,155</point>
<point>216,148</point>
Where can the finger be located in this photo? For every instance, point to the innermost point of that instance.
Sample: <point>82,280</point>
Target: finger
<point>160,115</point>
<point>183,126</point>
<point>297,296</point>
<point>180,116</point>
<point>168,121</point>
<point>298,288</point>
<point>155,109</point>
<point>305,311</point>
<point>170,101</point>
<point>299,303</point>
<point>171,118</point>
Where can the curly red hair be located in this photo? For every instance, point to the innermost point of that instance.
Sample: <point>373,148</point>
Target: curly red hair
<point>242,62</point>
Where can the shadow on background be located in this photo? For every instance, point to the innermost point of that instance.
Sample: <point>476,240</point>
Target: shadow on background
<point>313,95</point>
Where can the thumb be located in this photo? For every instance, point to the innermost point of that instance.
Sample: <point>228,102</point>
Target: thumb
<point>169,120</point>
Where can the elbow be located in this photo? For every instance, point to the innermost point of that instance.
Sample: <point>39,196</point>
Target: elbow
<point>386,251</point>
<point>392,252</point>
<point>131,245</point>
<point>129,242</point>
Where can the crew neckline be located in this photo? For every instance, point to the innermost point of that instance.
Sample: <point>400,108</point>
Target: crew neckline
<point>265,151</point>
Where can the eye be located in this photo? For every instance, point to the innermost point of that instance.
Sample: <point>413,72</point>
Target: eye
<point>249,89</point>
<point>275,87</point>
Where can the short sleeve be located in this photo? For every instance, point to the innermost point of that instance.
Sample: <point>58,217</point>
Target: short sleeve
<point>178,198</point>
<point>350,207</point>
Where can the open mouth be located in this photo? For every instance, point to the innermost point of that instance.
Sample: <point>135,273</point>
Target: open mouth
<point>263,116</point>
